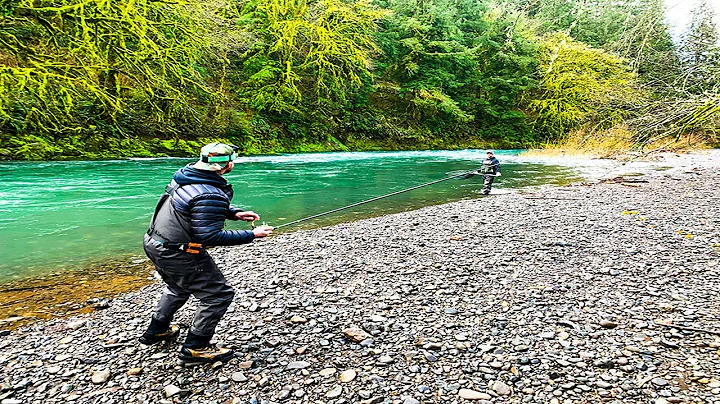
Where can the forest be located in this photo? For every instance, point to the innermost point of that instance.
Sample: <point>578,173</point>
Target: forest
<point>85,79</point>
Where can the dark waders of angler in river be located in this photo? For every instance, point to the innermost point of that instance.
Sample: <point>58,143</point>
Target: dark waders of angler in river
<point>463,175</point>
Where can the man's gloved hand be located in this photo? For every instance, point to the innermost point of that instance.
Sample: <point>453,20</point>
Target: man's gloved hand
<point>262,231</point>
<point>248,216</point>
<point>499,174</point>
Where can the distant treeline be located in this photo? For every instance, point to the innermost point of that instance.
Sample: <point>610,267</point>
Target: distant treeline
<point>113,78</point>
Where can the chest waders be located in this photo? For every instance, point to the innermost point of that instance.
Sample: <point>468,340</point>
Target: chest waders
<point>166,233</point>
<point>187,270</point>
<point>487,167</point>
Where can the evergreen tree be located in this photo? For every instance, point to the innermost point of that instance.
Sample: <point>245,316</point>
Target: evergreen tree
<point>646,43</point>
<point>457,62</point>
<point>700,51</point>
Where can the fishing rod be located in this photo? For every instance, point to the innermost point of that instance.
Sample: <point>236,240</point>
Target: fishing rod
<point>463,175</point>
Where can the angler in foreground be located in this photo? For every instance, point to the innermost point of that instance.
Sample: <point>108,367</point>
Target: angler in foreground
<point>188,219</point>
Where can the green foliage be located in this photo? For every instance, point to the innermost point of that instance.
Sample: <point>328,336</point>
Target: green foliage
<point>576,82</point>
<point>633,29</point>
<point>459,66</point>
<point>308,54</point>
<point>70,64</point>
<point>119,78</point>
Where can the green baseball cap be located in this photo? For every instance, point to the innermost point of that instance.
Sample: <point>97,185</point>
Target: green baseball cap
<point>215,156</point>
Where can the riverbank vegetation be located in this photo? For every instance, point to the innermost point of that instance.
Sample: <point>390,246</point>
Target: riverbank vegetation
<point>119,78</point>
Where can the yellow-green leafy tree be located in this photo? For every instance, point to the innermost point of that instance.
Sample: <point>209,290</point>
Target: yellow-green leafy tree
<point>578,85</point>
<point>69,66</point>
<point>312,52</point>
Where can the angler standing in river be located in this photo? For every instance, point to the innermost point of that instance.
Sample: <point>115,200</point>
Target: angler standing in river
<point>189,218</point>
<point>489,169</point>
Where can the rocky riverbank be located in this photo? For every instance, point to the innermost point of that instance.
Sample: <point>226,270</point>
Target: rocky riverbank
<point>562,295</point>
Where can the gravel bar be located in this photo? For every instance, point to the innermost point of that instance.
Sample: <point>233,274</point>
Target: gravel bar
<point>604,292</point>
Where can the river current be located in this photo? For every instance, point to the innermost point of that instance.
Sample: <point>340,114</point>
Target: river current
<point>60,215</point>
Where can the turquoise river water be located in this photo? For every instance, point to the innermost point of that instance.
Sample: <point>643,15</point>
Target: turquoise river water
<point>58,215</point>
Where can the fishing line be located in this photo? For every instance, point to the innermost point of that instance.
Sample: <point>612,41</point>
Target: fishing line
<point>463,175</point>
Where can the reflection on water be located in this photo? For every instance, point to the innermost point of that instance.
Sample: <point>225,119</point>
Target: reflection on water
<point>55,215</point>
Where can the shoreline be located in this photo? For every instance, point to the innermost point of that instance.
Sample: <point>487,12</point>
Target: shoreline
<point>71,292</point>
<point>555,294</point>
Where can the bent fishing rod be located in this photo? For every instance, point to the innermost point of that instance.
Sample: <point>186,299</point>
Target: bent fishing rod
<point>463,175</point>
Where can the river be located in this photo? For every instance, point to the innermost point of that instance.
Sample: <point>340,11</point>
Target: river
<point>60,215</point>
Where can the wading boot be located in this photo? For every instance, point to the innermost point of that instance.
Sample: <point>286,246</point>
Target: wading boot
<point>208,354</point>
<point>197,349</point>
<point>155,333</point>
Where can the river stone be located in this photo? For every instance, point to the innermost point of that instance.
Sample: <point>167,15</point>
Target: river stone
<point>356,334</point>
<point>334,392</point>
<point>297,365</point>
<point>430,357</point>
<point>134,371</point>
<point>347,376</point>
<point>53,369</point>
<point>327,372</point>
<point>501,388</point>
<point>298,320</point>
<point>607,324</point>
<point>74,325</point>
<point>238,377</point>
<point>171,390</point>
<point>603,384</point>
<point>100,376</point>
<point>245,365</point>
<point>473,395</point>
<point>547,335</point>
